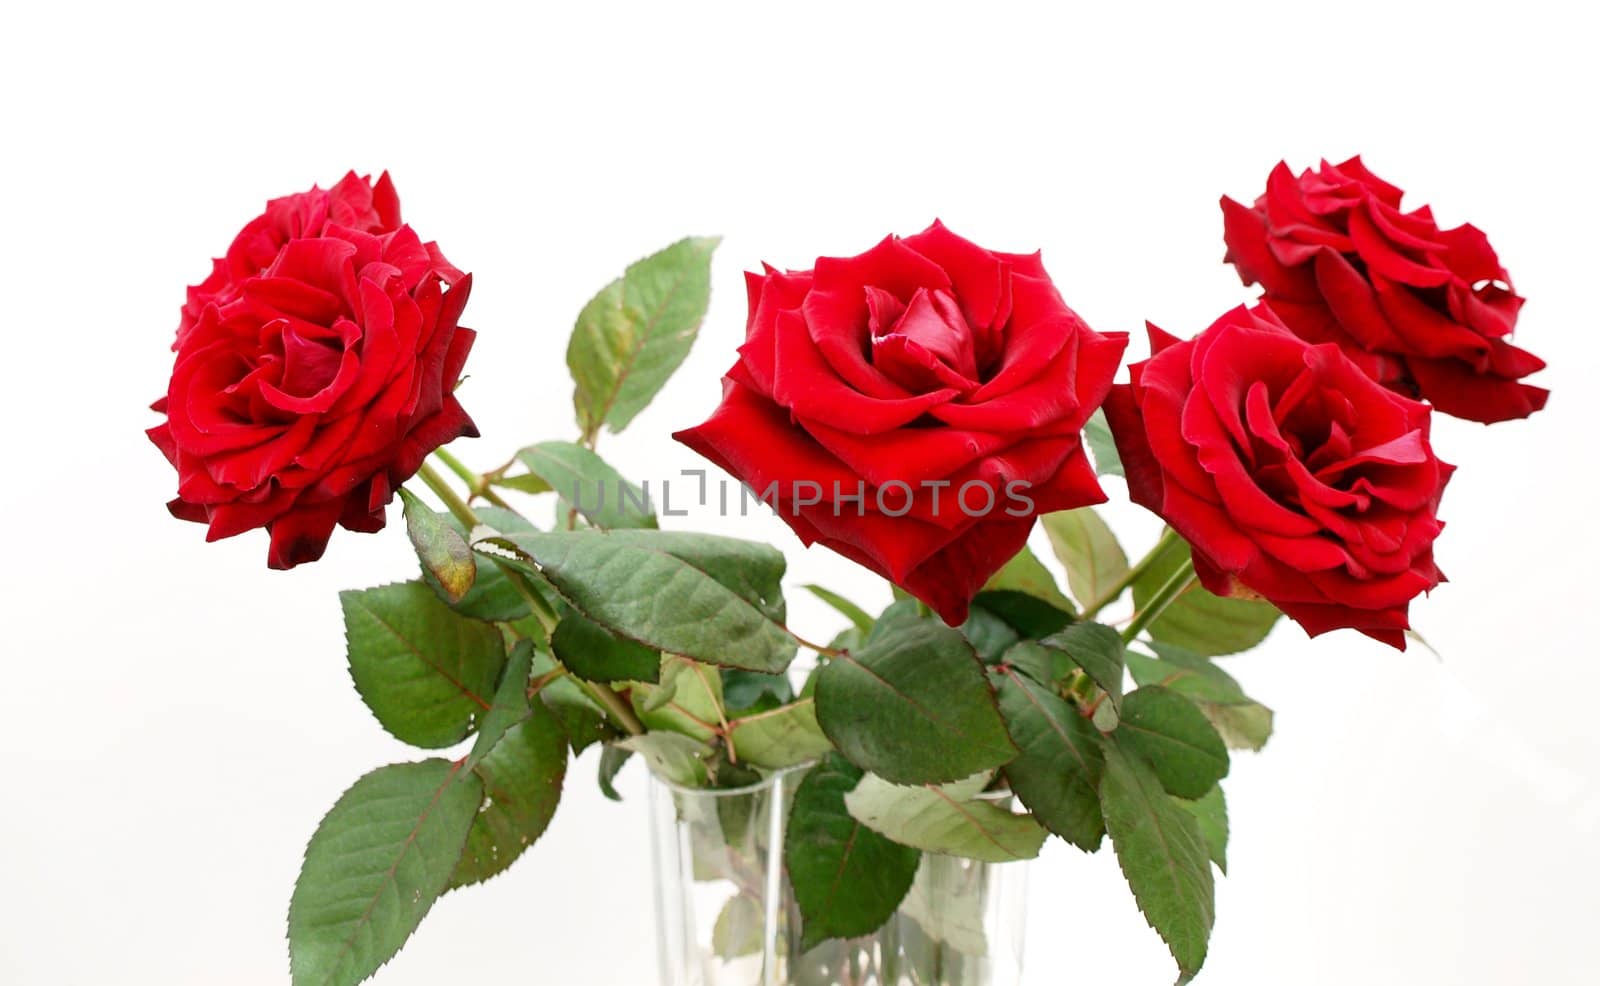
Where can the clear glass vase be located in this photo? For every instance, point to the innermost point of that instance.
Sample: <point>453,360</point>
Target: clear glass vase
<point>725,915</point>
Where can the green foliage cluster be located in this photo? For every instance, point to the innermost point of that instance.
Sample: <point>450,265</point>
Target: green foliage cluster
<point>519,646</point>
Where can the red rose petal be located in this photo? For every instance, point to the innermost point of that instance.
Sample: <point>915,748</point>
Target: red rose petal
<point>1384,258</point>
<point>1454,388</point>
<point>807,385</point>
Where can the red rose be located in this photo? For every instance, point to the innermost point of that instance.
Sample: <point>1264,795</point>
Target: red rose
<point>314,371</point>
<point>1291,473</point>
<point>1424,310</point>
<point>354,203</point>
<point>914,408</point>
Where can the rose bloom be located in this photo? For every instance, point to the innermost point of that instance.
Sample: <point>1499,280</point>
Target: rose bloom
<point>1424,310</point>
<point>1292,474</point>
<point>314,371</point>
<point>354,203</point>
<point>914,408</point>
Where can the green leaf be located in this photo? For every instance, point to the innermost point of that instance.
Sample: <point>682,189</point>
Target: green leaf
<point>376,864</point>
<point>1243,723</point>
<point>581,719</point>
<point>426,672</point>
<point>492,598</point>
<point>989,635</point>
<point>634,333</point>
<point>441,549</point>
<point>746,692</point>
<point>1173,735</point>
<point>510,703</point>
<point>1086,547</point>
<point>522,776</point>
<point>612,759</point>
<point>1057,775</point>
<point>672,756</point>
<point>521,758</point>
<point>740,928</point>
<point>847,879</point>
<point>1103,448</point>
<point>1197,620</point>
<point>913,705</point>
<point>1211,815</point>
<point>687,700</point>
<point>594,653</point>
<point>1030,616</point>
<point>711,598</point>
<point>855,614</point>
<point>504,521</point>
<point>524,483</point>
<point>783,737</point>
<point>902,613</point>
<point>1025,573</point>
<point>588,483</point>
<point>651,697</point>
<point>1097,649</point>
<point>1186,674</point>
<point>945,819</point>
<point>1242,727</point>
<point>1104,717</point>
<point>1035,660</point>
<point>1163,857</point>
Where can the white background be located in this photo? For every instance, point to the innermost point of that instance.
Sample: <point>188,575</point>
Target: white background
<point>174,718</point>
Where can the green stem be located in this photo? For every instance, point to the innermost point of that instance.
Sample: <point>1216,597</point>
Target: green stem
<point>808,645</point>
<point>1170,590</point>
<point>472,479</point>
<point>538,684</point>
<point>488,493</point>
<point>477,486</point>
<point>1129,577</point>
<point>548,617</point>
<point>590,439</point>
<point>614,704</point>
<point>498,473</point>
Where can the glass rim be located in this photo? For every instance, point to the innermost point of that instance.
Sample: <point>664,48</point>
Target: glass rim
<point>999,794</point>
<point>728,792</point>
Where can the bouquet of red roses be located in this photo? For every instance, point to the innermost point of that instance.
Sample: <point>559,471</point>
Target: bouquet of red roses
<point>918,408</point>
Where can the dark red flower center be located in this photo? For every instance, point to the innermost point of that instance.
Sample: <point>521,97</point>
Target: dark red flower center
<point>1302,441</point>
<point>923,344</point>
